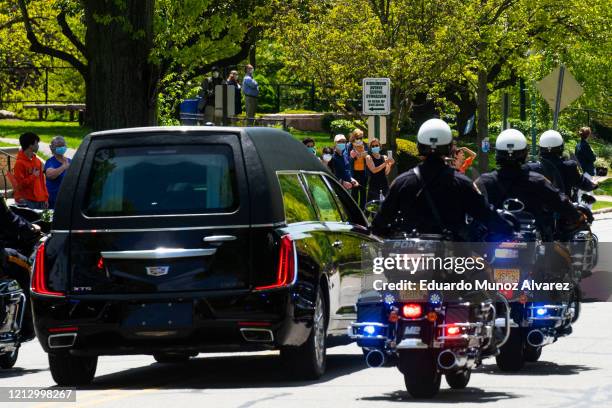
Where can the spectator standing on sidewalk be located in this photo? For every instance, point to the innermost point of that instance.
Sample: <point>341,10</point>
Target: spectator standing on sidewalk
<point>233,80</point>
<point>380,167</point>
<point>56,167</point>
<point>358,153</point>
<point>250,88</point>
<point>30,189</point>
<point>584,153</point>
<point>310,145</point>
<point>207,95</point>
<point>341,163</point>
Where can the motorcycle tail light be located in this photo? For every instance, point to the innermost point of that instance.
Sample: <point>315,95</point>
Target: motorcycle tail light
<point>100,264</point>
<point>39,278</point>
<point>285,272</point>
<point>412,310</point>
<point>393,316</point>
<point>432,316</point>
<point>453,330</point>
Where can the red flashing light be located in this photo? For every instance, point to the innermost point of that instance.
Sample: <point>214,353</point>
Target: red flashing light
<point>254,324</point>
<point>100,265</point>
<point>285,273</point>
<point>39,279</point>
<point>453,330</point>
<point>412,310</point>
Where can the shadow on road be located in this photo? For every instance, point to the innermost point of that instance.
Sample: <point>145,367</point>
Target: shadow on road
<point>539,368</point>
<point>446,396</point>
<point>223,372</point>
<point>18,372</point>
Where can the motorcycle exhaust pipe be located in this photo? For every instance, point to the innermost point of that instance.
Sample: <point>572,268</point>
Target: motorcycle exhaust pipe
<point>375,358</point>
<point>536,338</point>
<point>447,360</point>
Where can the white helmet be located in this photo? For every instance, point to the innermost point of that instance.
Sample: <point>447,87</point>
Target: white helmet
<point>434,135</point>
<point>511,145</point>
<point>551,139</point>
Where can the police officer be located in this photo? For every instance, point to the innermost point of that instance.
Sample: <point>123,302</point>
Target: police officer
<point>564,174</point>
<point>433,197</point>
<point>514,180</point>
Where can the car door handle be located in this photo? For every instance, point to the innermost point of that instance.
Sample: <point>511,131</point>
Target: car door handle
<point>159,253</point>
<point>337,244</point>
<point>219,238</point>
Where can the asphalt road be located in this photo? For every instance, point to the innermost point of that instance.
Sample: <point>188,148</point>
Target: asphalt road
<point>574,372</point>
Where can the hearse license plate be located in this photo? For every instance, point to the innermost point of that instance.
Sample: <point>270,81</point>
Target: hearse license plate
<point>158,315</point>
<point>507,275</point>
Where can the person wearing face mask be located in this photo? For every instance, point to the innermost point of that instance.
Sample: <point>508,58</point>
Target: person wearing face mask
<point>56,167</point>
<point>29,189</point>
<point>206,104</point>
<point>380,167</point>
<point>326,157</point>
<point>250,88</point>
<point>310,145</point>
<point>358,154</point>
<point>341,163</point>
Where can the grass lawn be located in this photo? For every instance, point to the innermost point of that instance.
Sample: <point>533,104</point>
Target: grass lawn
<point>602,204</point>
<point>605,188</point>
<point>72,132</point>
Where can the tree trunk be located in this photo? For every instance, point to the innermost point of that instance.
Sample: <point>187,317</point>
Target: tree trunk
<point>483,121</point>
<point>467,108</point>
<point>121,88</point>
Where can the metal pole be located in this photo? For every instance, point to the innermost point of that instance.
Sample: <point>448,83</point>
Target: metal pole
<point>377,127</point>
<point>533,122</point>
<point>558,97</point>
<point>522,100</point>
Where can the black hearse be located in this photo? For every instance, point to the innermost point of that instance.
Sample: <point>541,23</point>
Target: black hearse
<point>178,240</point>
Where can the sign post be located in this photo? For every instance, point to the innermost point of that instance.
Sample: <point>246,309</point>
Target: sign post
<point>377,104</point>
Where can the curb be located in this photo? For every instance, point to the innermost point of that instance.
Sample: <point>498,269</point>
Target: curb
<point>602,211</point>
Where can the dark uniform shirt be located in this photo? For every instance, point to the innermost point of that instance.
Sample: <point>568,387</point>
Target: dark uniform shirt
<point>13,226</point>
<point>452,193</point>
<point>342,166</point>
<point>564,174</point>
<point>585,157</point>
<point>539,196</point>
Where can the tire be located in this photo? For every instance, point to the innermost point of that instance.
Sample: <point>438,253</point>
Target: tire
<point>171,358</point>
<point>421,374</point>
<point>308,361</point>
<point>8,360</point>
<point>577,299</point>
<point>69,370</point>
<point>511,355</point>
<point>458,380</point>
<point>532,354</point>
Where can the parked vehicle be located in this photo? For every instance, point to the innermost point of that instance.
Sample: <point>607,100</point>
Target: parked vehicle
<point>178,240</point>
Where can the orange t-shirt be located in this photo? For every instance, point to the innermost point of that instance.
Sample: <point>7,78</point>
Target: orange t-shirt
<point>29,186</point>
<point>359,162</point>
<point>466,164</point>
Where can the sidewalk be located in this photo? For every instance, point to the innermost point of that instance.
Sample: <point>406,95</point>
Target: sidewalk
<point>42,147</point>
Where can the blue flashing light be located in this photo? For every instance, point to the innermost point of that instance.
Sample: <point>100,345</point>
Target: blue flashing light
<point>389,299</point>
<point>369,330</point>
<point>541,311</point>
<point>435,298</point>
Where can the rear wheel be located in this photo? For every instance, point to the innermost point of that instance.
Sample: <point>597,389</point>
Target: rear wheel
<point>8,360</point>
<point>308,360</point>
<point>69,370</point>
<point>458,380</point>
<point>171,358</point>
<point>532,354</point>
<point>511,355</point>
<point>421,375</point>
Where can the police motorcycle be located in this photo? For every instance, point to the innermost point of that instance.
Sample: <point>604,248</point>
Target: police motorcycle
<point>429,333</point>
<point>16,259</point>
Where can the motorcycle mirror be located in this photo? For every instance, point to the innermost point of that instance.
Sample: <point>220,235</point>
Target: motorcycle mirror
<point>513,205</point>
<point>372,207</point>
<point>588,199</point>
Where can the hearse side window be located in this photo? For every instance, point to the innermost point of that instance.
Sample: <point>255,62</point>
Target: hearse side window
<point>323,198</point>
<point>346,202</point>
<point>297,204</point>
<point>161,180</point>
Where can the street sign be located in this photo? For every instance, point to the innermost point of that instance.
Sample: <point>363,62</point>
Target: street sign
<point>549,88</point>
<point>376,96</point>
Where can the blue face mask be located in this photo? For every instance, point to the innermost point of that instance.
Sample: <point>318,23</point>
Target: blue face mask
<point>61,150</point>
<point>313,150</point>
<point>341,147</point>
<point>376,149</point>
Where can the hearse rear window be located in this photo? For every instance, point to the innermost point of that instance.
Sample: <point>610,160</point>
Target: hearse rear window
<point>162,180</point>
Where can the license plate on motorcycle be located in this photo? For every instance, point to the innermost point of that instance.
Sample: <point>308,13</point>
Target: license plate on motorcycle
<point>507,275</point>
<point>416,294</point>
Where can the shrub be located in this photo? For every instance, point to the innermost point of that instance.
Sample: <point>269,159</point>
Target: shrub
<point>407,155</point>
<point>344,126</point>
<point>605,152</point>
<point>326,121</point>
